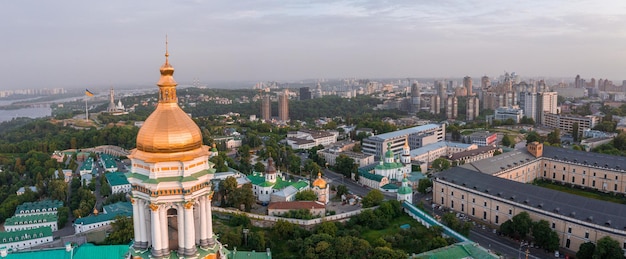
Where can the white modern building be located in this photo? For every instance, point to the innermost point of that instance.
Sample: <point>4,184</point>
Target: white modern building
<point>416,136</point>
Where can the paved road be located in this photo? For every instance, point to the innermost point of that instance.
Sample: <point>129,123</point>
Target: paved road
<point>486,237</point>
<point>354,187</point>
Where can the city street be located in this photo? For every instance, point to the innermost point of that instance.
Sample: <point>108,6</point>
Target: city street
<point>338,179</point>
<point>487,237</point>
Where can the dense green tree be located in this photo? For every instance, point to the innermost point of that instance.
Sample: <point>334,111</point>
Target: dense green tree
<point>424,184</point>
<point>440,164</point>
<point>508,141</point>
<point>259,167</point>
<point>226,189</point>
<point>327,227</point>
<point>387,253</point>
<point>517,227</point>
<point>345,165</point>
<point>341,190</point>
<point>243,196</point>
<point>619,141</point>
<point>586,250</point>
<point>57,190</point>
<point>306,195</point>
<point>544,236</point>
<point>373,198</point>
<point>532,136</point>
<point>554,137</point>
<point>63,213</point>
<point>311,168</point>
<point>575,133</point>
<point>122,231</point>
<point>608,248</point>
<point>450,220</point>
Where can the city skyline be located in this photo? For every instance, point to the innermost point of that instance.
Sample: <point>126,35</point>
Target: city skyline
<point>75,44</point>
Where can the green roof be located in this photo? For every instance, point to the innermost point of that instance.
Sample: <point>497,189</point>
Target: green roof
<point>100,252</point>
<point>30,219</point>
<point>116,179</point>
<point>371,176</point>
<point>415,176</point>
<point>259,180</point>
<point>122,208</point>
<point>101,217</point>
<point>38,206</point>
<point>459,250</point>
<point>25,234</point>
<point>387,166</point>
<point>109,161</point>
<point>87,165</point>
<point>405,190</point>
<point>119,207</point>
<point>84,251</point>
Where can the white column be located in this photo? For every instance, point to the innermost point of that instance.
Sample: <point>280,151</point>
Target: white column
<point>156,231</point>
<point>136,223</point>
<point>203,226</point>
<point>165,242</point>
<point>209,219</point>
<point>190,229</point>
<point>180,209</point>
<point>143,221</point>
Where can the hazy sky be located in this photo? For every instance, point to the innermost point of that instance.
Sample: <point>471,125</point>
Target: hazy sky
<point>116,43</point>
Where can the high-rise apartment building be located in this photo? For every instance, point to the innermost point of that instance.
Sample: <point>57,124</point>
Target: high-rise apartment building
<point>266,108</point>
<point>442,92</point>
<point>467,83</point>
<point>530,105</point>
<point>415,97</point>
<point>472,108</point>
<point>485,82</point>
<point>452,107</point>
<point>435,104</point>
<point>548,104</point>
<point>283,106</point>
<point>305,93</point>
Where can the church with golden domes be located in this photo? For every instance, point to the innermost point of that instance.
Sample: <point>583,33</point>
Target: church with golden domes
<point>320,187</point>
<point>171,182</point>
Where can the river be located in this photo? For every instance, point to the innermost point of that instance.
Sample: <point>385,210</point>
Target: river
<point>7,115</point>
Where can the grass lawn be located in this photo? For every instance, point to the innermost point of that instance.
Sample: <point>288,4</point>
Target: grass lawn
<point>585,193</point>
<point>371,235</point>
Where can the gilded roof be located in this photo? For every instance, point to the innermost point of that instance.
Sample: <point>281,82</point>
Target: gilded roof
<point>319,182</point>
<point>168,129</point>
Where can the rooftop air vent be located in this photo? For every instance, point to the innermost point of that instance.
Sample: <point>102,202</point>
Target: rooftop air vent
<point>540,205</point>
<point>573,214</point>
<point>557,210</point>
<point>590,218</point>
<point>608,223</point>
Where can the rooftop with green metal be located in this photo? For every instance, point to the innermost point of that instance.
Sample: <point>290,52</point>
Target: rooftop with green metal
<point>116,178</point>
<point>459,250</point>
<point>25,234</point>
<point>119,207</point>
<point>38,206</point>
<point>85,251</point>
<point>109,161</point>
<point>371,176</point>
<point>87,165</point>
<point>30,219</point>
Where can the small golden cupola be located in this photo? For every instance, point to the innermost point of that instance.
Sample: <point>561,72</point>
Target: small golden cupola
<point>319,182</point>
<point>168,133</point>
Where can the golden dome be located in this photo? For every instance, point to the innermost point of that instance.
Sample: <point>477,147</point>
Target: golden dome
<point>319,182</point>
<point>168,129</point>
